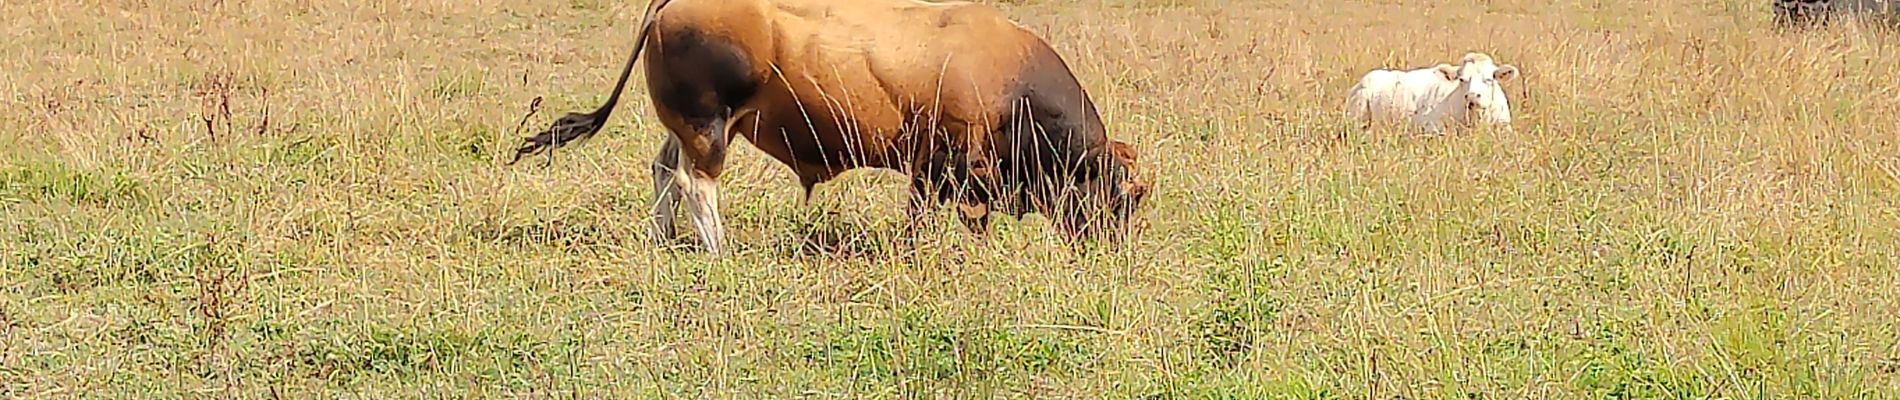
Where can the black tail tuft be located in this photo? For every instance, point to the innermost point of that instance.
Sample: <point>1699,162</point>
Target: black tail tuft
<point>570,128</point>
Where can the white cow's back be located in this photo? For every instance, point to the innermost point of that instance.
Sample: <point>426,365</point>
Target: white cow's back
<point>1392,94</point>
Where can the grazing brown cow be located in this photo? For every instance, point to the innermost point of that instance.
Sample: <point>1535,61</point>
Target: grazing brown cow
<point>975,108</point>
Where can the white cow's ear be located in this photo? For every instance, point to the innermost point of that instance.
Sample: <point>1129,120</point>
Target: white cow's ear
<point>1505,73</point>
<point>1446,70</point>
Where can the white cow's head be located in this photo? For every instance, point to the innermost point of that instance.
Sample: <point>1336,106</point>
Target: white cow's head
<point>1479,80</point>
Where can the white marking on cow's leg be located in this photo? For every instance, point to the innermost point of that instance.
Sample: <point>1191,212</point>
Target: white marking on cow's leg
<point>702,203</point>
<point>698,180</point>
<point>666,192</point>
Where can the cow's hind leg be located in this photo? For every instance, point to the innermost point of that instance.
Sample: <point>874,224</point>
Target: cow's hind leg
<point>700,186</point>
<point>666,190</point>
<point>702,158</point>
<point>699,83</point>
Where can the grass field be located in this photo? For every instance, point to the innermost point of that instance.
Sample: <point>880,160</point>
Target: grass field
<point>306,199</point>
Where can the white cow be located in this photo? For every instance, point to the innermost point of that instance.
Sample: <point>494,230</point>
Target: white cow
<point>1436,97</point>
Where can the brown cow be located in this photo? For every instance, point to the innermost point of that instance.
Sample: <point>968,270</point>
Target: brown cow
<point>975,108</point>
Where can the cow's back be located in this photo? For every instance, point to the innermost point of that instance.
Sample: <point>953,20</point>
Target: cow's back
<point>1382,94</point>
<point>1400,93</point>
<point>845,84</point>
<point>956,59</point>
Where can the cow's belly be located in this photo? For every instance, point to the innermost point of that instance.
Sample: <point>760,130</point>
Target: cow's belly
<point>836,113</point>
<point>819,143</point>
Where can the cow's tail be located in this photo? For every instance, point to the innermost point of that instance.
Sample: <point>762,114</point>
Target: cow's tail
<point>579,127</point>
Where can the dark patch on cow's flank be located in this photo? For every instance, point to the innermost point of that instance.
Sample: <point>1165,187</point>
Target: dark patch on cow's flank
<point>698,76</point>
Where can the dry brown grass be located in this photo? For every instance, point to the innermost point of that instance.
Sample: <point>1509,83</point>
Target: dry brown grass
<point>284,198</point>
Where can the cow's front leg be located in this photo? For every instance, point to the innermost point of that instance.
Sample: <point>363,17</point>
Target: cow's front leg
<point>975,216</point>
<point>975,193</point>
<point>1430,125</point>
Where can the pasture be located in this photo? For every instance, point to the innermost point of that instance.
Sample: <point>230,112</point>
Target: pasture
<point>307,199</point>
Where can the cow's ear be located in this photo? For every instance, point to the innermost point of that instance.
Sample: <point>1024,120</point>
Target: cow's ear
<point>1122,151</point>
<point>1505,73</point>
<point>1449,72</point>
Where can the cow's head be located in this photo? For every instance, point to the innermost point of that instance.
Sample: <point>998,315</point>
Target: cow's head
<point>1103,205</point>
<point>1479,82</point>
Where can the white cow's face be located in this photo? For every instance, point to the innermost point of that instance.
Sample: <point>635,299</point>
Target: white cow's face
<point>1479,82</point>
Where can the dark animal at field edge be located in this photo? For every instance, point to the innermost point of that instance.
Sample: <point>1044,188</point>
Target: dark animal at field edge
<point>1810,13</point>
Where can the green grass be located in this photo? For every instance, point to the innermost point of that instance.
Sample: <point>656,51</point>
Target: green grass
<point>279,199</point>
